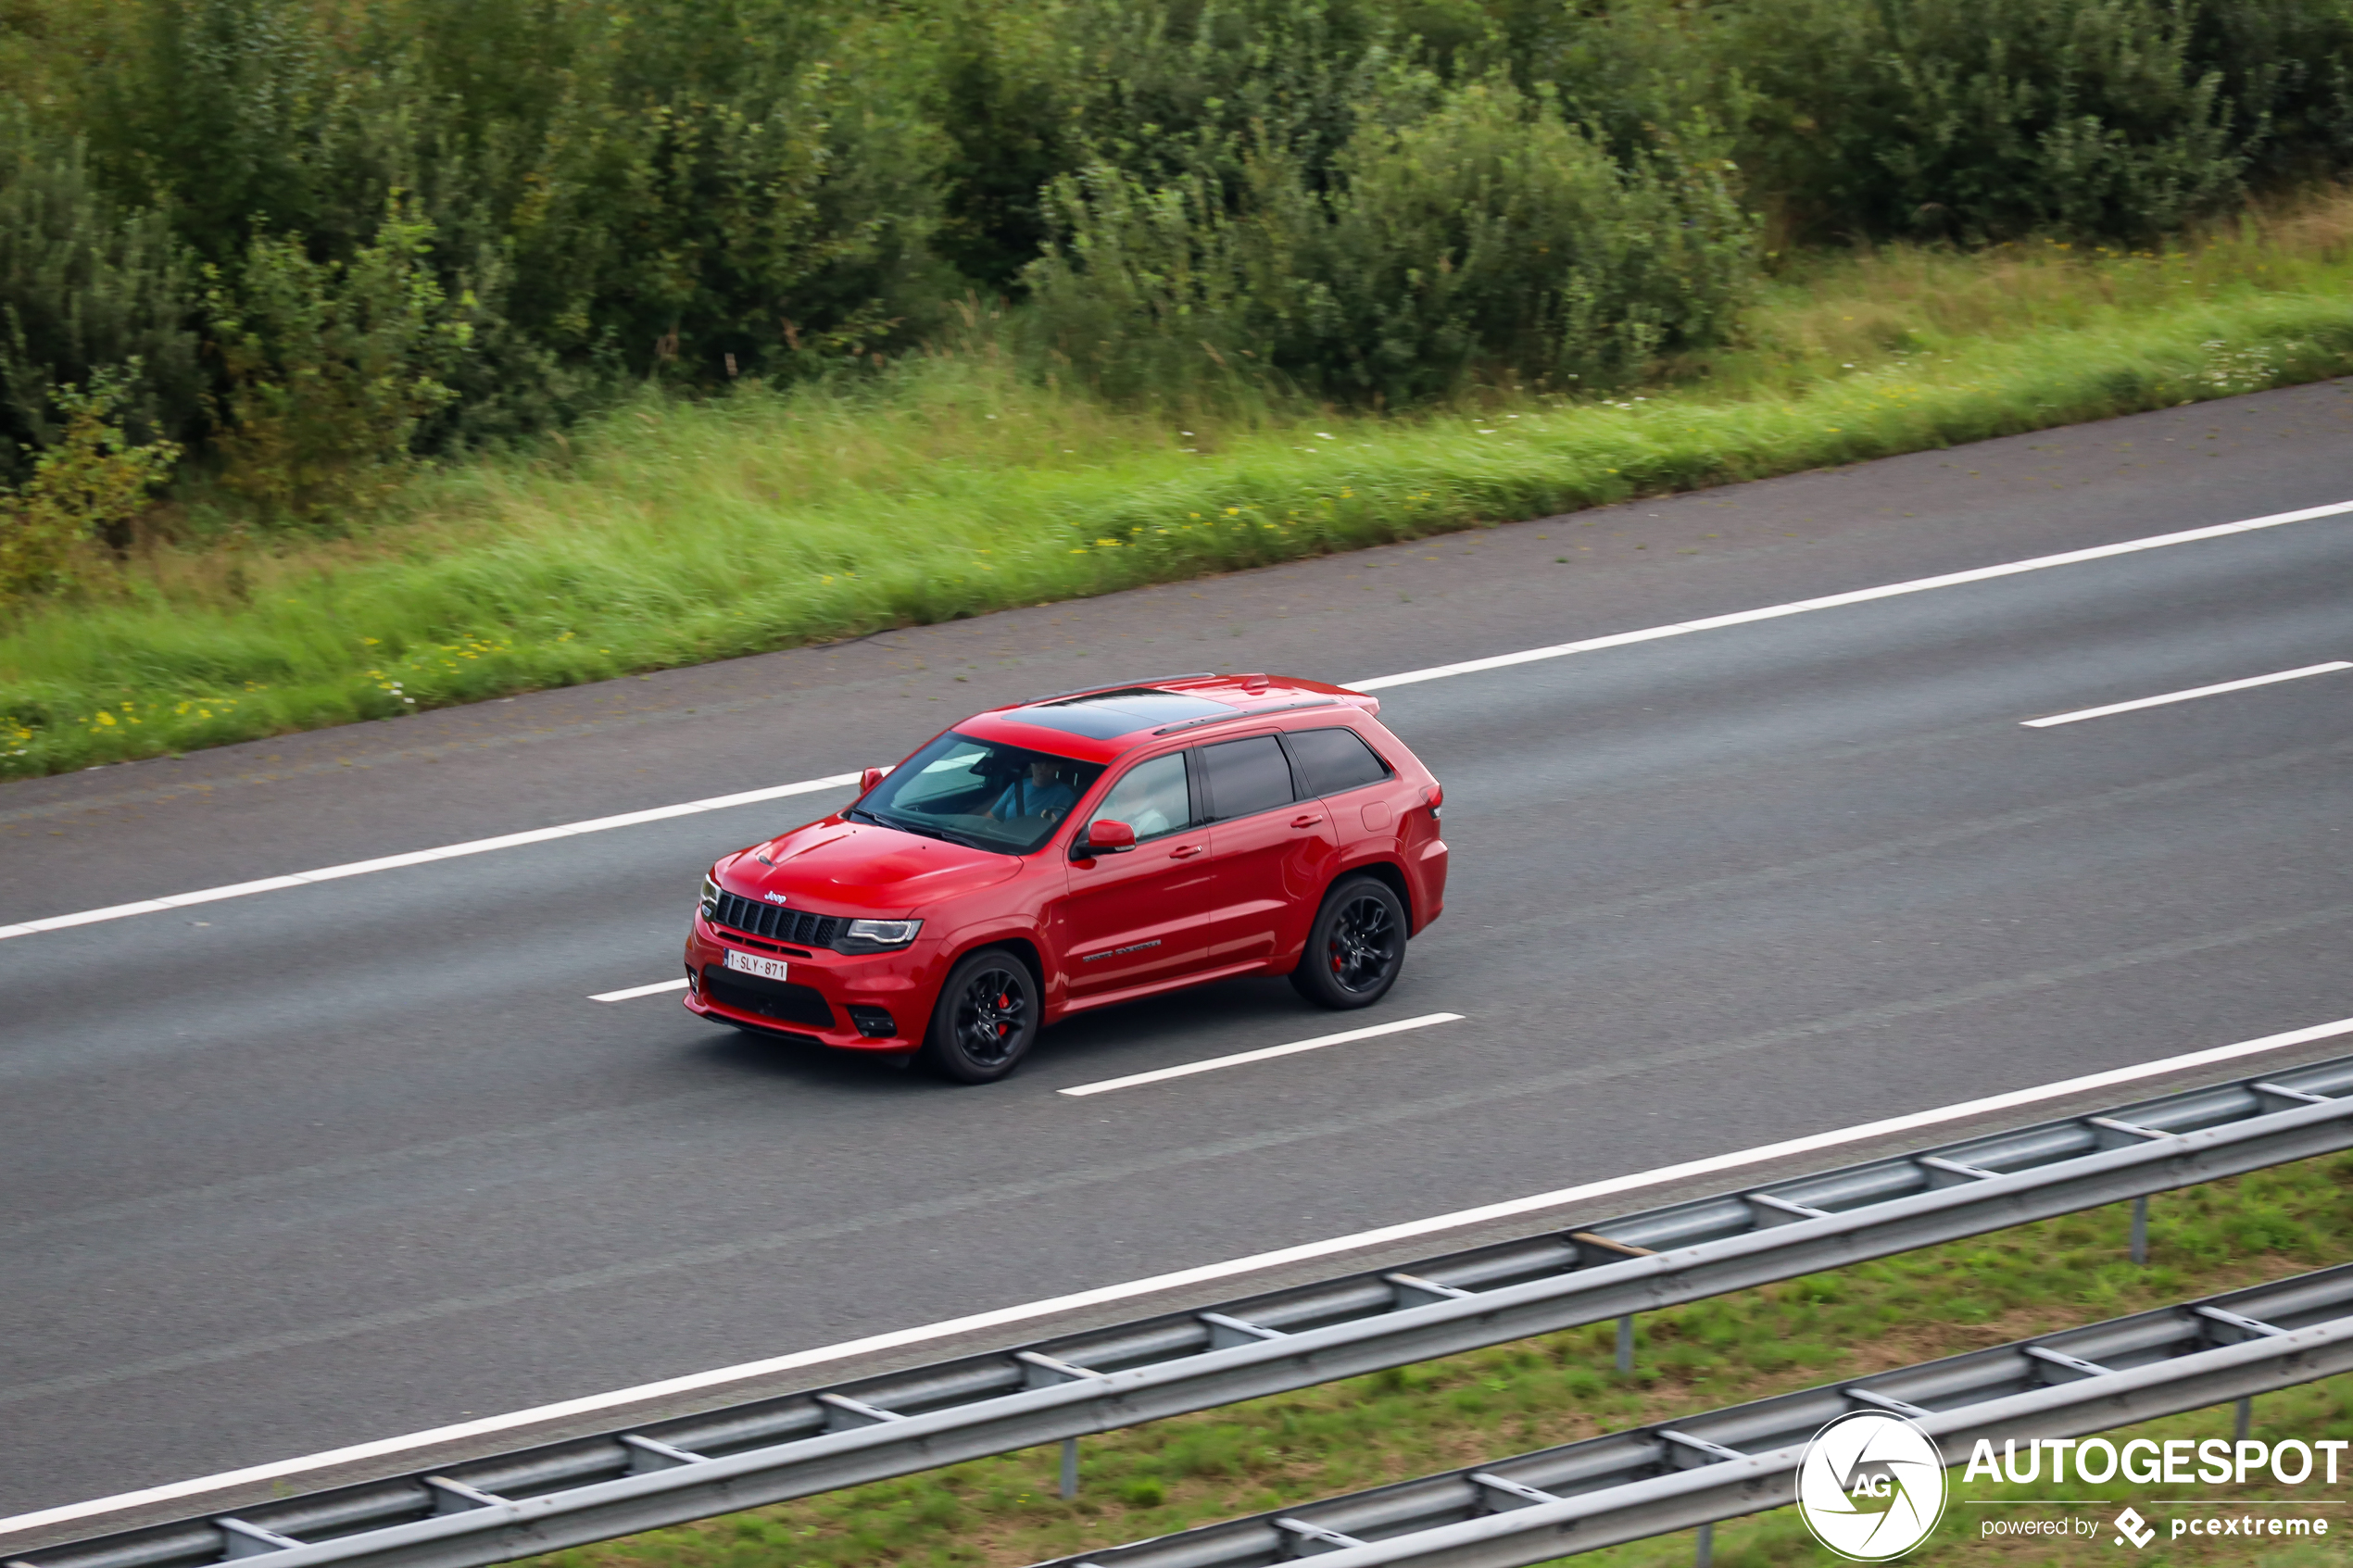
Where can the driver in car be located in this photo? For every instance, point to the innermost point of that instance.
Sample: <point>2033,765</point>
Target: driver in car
<point>1039,793</point>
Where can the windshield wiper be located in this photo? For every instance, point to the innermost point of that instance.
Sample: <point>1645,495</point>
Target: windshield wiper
<point>947,836</point>
<point>919,830</point>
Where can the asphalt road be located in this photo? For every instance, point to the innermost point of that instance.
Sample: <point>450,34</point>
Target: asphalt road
<point>292,1171</point>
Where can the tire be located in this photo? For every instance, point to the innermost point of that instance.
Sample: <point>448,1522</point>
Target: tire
<point>1356,947</point>
<point>986,1018</point>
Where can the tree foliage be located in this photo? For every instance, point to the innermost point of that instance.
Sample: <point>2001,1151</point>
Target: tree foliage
<point>85,290</point>
<point>330,367</point>
<point>1371,198</point>
<point>1488,231</point>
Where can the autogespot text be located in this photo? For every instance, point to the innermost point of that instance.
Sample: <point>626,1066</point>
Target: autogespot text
<point>2179,1462</point>
<point>2219,1461</point>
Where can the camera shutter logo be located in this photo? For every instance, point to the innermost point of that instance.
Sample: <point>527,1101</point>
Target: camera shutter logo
<point>1871,1486</point>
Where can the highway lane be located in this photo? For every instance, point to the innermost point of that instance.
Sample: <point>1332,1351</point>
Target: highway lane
<point>319,1165</point>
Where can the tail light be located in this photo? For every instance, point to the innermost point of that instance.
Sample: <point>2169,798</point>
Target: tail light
<point>1434,797</point>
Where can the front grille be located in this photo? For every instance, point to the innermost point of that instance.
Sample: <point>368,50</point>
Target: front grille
<point>771,999</point>
<point>759,919</point>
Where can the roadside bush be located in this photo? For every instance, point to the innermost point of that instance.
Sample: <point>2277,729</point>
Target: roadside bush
<point>88,485</point>
<point>86,291</point>
<point>1495,232</point>
<point>729,190</point>
<point>329,367</point>
<point>1488,233</point>
<point>2287,68</point>
<point>1970,119</point>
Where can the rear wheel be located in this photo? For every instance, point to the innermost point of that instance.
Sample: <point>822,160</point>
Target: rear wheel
<point>985,1020</point>
<point>1355,947</point>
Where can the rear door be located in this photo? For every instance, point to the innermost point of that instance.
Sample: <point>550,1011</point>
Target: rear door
<point>1272,855</point>
<point>1135,918</point>
<point>1363,792</point>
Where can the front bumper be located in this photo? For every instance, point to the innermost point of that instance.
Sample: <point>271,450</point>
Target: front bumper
<point>824,996</point>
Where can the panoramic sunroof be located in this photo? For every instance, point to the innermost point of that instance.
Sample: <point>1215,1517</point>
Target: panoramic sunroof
<point>1108,715</point>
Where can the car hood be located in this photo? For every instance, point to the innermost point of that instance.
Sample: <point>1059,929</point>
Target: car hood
<point>837,867</point>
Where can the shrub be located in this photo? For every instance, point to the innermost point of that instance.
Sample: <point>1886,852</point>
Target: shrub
<point>89,484</point>
<point>697,191</point>
<point>1494,231</point>
<point>1984,119</point>
<point>1489,232</point>
<point>86,291</point>
<point>330,367</point>
<point>2286,66</point>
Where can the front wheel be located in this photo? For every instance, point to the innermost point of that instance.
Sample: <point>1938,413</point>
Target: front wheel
<point>985,1019</point>
<point>1355,947</point>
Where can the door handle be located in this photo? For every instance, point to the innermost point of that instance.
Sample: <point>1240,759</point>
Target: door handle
<point>1306,821</point>
<point>1184,852</point>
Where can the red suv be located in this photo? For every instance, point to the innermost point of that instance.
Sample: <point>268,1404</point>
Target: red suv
<point>1078,850</point>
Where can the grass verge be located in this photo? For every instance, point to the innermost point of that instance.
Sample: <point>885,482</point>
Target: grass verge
<point>1412,1421</point>
<point>673,534</point>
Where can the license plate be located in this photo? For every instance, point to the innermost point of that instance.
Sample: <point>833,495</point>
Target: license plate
<point>752,963</point>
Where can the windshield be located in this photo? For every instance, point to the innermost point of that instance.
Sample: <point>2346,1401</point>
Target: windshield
<point>981,793</point>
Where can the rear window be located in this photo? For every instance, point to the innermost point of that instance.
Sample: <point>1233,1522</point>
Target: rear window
<point>1247,776</point>
<point>1334,761</point>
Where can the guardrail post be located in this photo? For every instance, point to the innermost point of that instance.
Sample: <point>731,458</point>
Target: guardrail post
<point>1707,1552</point>
<point>1626,1343</point>
<point>2246,1415</point>
<point>1070,1468</point>
<point>2141,1229</point>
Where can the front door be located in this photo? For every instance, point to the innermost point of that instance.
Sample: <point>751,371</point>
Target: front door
<point>1273,852</point>
<point>1136,918</point>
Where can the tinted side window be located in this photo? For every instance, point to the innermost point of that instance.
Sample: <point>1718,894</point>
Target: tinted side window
<point>1152,798</point>
<point>1246,776</point>
<point>1335,760</point>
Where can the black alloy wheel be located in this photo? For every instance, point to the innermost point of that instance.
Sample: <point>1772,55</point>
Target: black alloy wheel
<point>1356,947</point>
<point>986,1019</point>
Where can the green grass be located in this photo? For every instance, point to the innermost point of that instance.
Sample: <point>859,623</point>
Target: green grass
<point>671,533</point>
<point>1413,1420</point>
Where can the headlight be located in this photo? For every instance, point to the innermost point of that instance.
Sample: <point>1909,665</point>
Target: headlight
<point>878,935</point>
<point>709,896</point>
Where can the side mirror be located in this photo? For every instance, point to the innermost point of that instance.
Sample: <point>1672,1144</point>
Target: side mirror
<point>1107,839</point>
<point>869,779</point>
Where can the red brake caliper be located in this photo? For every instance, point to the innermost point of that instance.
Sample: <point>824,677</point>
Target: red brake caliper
<point>1003,1003</point>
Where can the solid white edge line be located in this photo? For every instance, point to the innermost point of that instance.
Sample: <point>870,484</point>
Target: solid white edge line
<point>2161,701</point>
<point>1410,677</point>
<point>1264,1053</point>
<point>635,991</point>
<point>1002,1317</point>
<point>1860,596</point>
<point>424,857</point>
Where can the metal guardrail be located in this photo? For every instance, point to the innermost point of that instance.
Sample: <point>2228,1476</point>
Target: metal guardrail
<point>1653,1480</point>
<point>587,1489</point>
